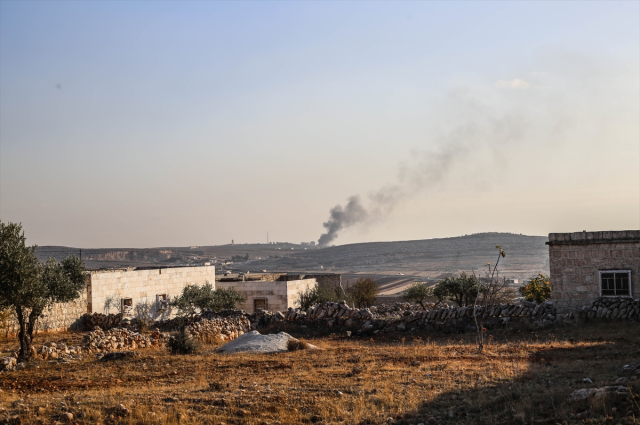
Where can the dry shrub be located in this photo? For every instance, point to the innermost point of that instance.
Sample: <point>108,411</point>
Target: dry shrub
<point>182,343</point>
<point>297,344</point>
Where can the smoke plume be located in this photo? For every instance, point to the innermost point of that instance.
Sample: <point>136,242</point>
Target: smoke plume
<point>339,218</point>
<point>477,132</point>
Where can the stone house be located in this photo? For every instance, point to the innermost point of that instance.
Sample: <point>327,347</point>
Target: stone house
<point>275,291</point>
<point>588,265</point>
<point>115,290</point>
<point>112,291</point>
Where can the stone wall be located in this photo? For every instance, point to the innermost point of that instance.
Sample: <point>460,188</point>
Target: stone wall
<point>577,258</point>
<point>612,308</point>
<point>340,316</point>
<point>280,295</point>
<point>58,317</point>
<point>330,280</point>
<point>143,286</point>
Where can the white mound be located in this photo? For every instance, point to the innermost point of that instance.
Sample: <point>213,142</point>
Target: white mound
<point>254,342</point>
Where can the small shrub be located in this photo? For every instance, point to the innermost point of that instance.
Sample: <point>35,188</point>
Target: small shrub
<point>320,294</point>
<point>215,386</point>
<point>363,293</point>
<point>183,343</point>
<point>537,289</point>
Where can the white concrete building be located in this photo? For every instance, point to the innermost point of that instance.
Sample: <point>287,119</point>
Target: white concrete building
<point>112,291</point>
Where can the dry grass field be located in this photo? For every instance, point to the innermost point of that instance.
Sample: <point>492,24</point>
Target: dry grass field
<point>522,377</point>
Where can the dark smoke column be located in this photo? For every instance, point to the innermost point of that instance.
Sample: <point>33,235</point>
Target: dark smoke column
<point>340,218</point>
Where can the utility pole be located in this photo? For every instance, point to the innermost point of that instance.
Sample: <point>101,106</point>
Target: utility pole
<point>267,238</point>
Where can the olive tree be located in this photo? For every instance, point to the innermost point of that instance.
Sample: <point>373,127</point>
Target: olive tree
<point>363,293</point>
<point>196,299</point>
<point>462,289</point>
<point>28,287</point>
<point>419,293</point>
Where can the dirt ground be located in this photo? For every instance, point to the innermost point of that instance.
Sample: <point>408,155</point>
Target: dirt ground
<point>522,377</point>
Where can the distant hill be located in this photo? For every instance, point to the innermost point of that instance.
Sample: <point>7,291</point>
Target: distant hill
<point>526,255</point>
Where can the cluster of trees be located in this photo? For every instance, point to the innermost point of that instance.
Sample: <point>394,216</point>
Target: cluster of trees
<point>465,289</point>
<point>240,258</point>
<point>362,294</point>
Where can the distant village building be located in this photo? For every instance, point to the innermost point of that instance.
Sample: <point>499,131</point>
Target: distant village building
<point>511,282</point>
<point>587,265</point>
<point>275,291</point>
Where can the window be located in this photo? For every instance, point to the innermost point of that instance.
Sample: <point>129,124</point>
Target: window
<point>259,304</point>
<point>127,306</point>
<point>162,302</point>
<point>615,283</point>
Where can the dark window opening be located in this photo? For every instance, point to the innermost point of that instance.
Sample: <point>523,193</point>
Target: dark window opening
<point>259,304</point>
<point>615,283</point>
<point>162,302</point>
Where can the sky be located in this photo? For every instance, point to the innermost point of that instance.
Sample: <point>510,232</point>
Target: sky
<point>146,124</point>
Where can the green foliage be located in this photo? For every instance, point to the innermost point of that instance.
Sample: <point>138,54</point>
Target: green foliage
<point>28,286</point>
<point>462,289</point>
<point>419,293</point>
<point>538,289</point>
<point>182,343</point>
<point>363,293</point>
<point>196,299</point>
<point>319,294</point>
<point>240,258</point>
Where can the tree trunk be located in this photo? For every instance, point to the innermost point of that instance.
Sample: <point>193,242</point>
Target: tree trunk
<point>33,318</point>
<point>23,336</point>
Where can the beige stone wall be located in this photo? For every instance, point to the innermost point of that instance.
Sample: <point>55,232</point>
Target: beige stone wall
<point>58,317</point>
<point>577,258</point>
<point>295,288</point>
<point>280,295</point>
<point>142,286</point>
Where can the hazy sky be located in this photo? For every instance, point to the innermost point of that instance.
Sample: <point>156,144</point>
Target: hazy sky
<point>140,124</point>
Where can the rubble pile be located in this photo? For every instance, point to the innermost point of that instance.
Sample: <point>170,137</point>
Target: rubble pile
<point>219,328</point>
<point>9,364</point>
<point>117,339</point>
<point>612,308</point>
<point>60,351</point>
<point>103,321</point>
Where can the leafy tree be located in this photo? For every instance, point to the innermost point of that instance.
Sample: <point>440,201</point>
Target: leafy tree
<point>363,293</point>
<point>419,293</point>
<point>319,294</point>
<point>196,299</point>
<point>537,289</point>
<point>462,289</point>
<point>28,286</point>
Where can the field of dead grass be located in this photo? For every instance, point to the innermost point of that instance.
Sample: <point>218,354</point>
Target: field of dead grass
<point>522,377</point>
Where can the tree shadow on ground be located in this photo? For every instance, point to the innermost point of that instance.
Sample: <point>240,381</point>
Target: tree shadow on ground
<point>532,385</point>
